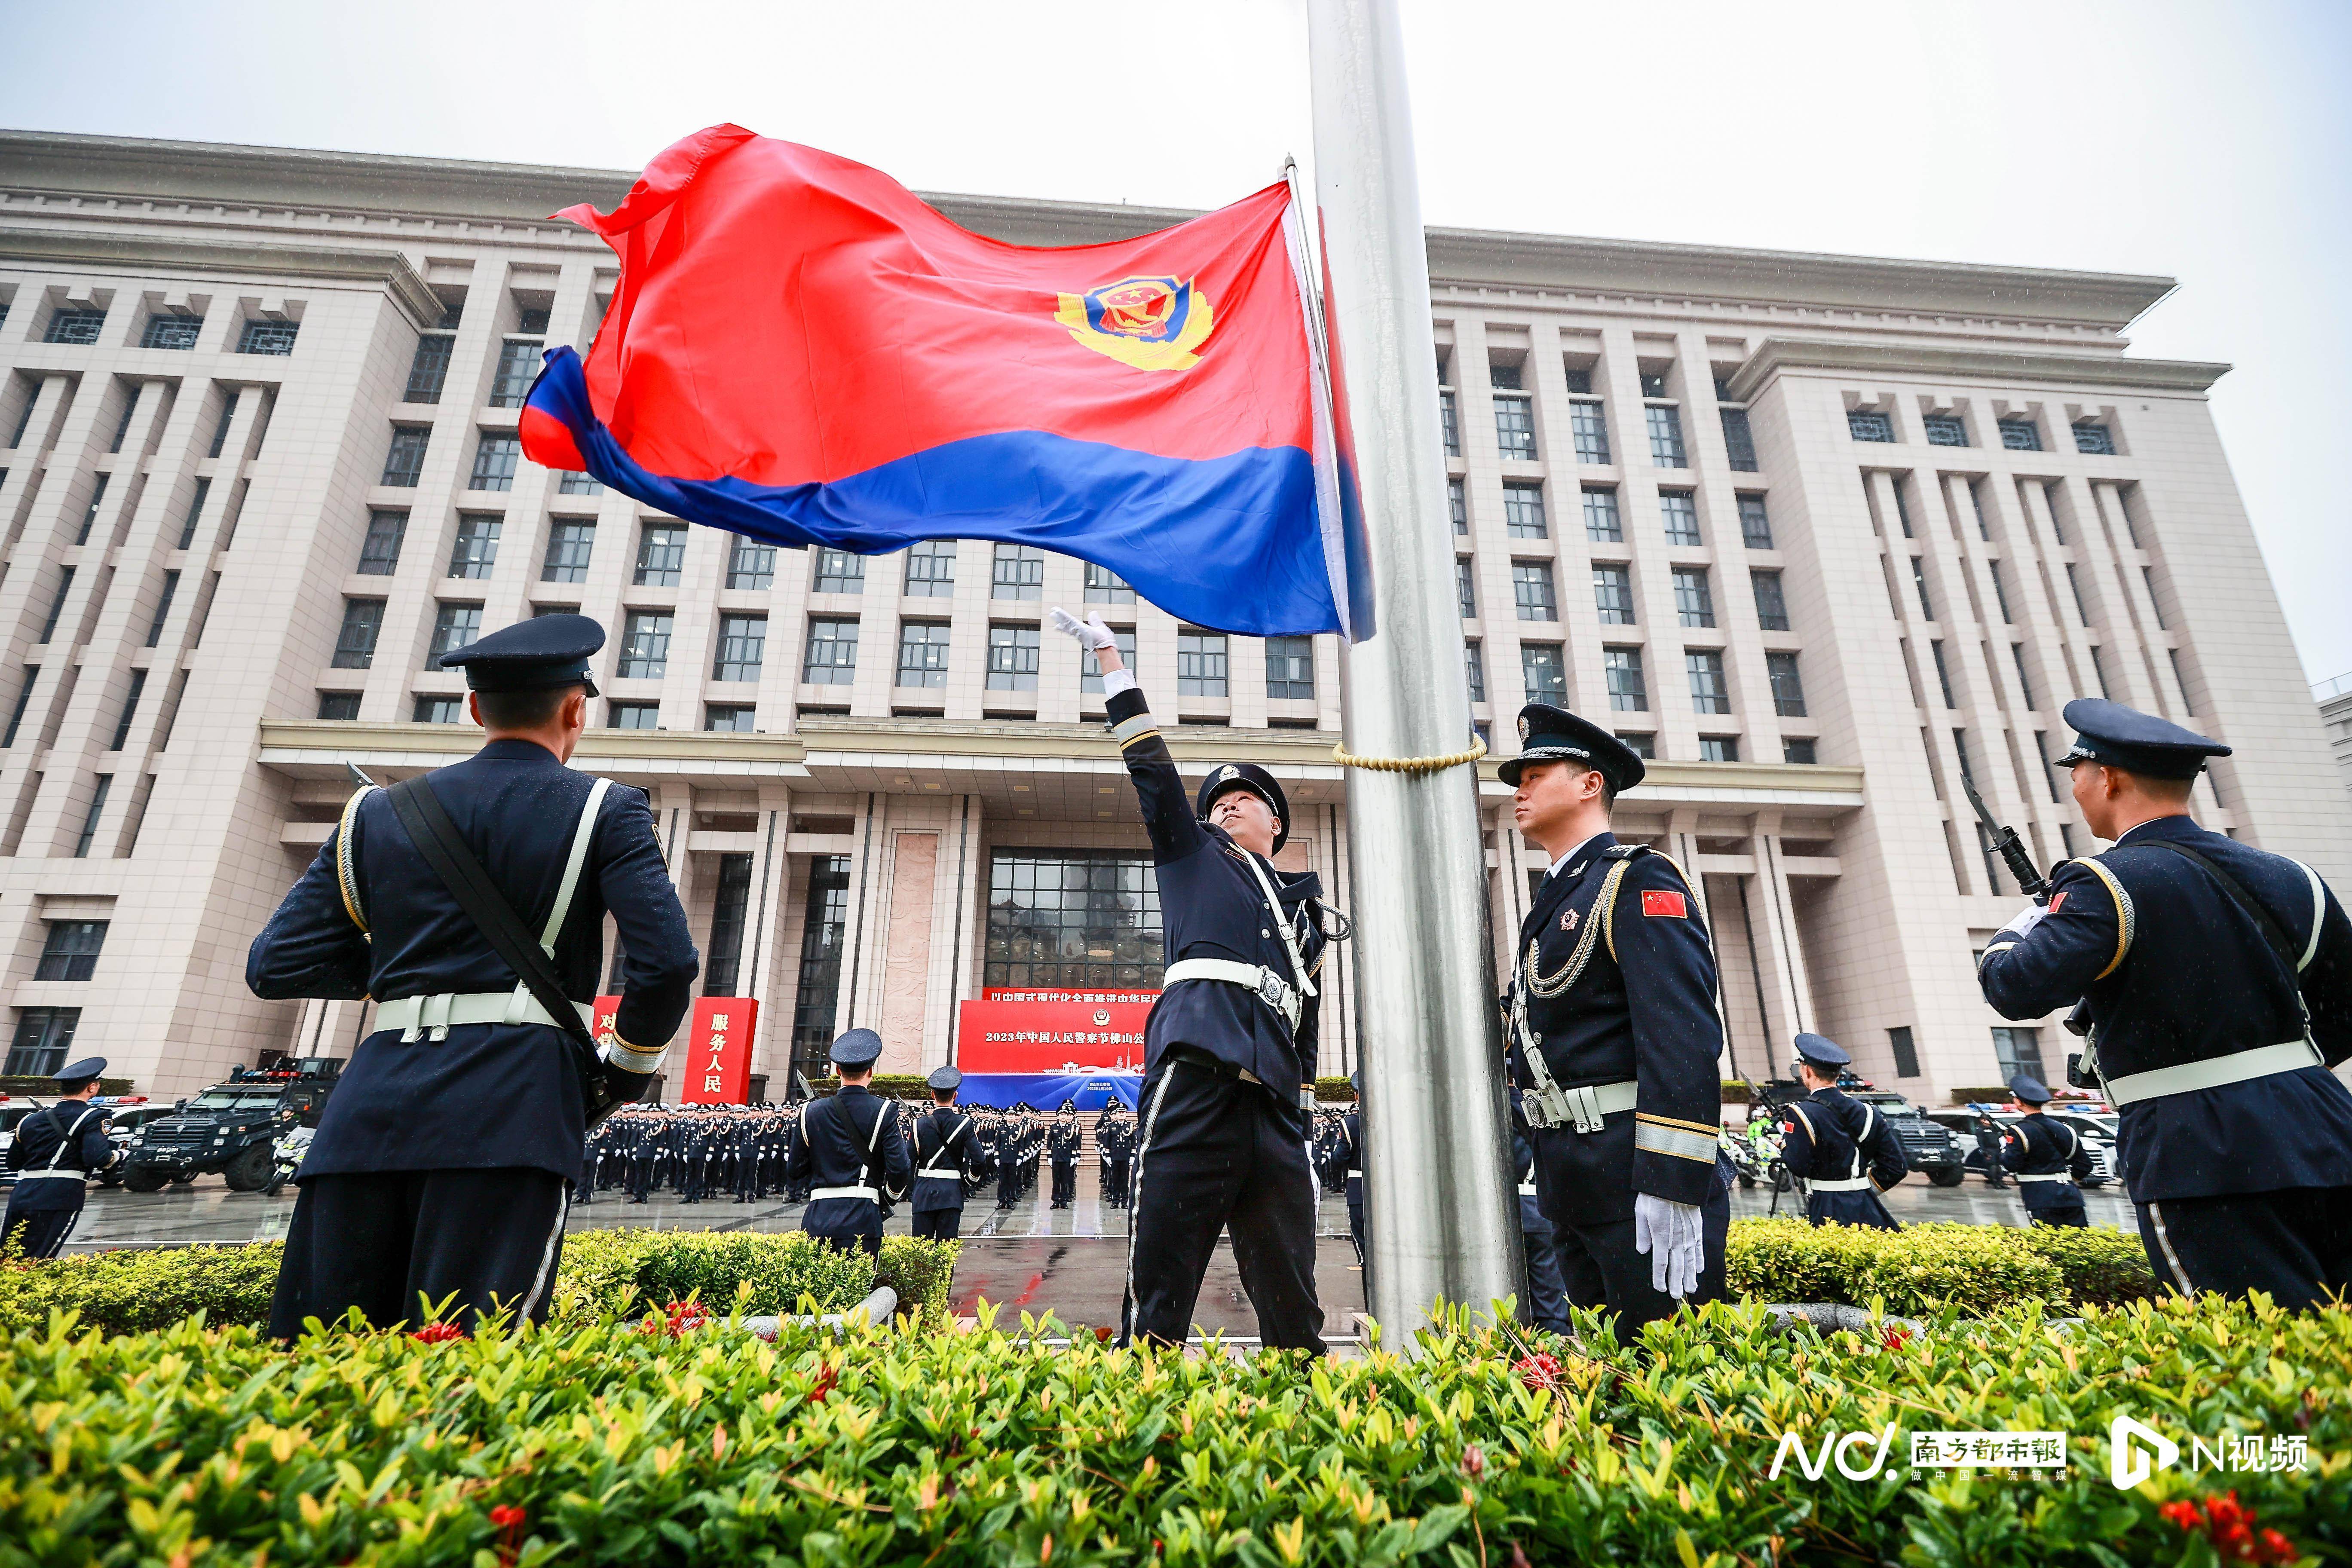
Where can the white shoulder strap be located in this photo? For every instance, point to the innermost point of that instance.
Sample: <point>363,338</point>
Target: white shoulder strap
<point>1289,938</point>
<point>874,1138</point>
<point>1869,1125</point>
<point>580,837</point>
<point>72,1133</point>
<point>2318,915</point>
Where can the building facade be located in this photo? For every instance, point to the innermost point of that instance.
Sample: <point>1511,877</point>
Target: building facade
<point>1825,536</point>
<point>2334,700</point>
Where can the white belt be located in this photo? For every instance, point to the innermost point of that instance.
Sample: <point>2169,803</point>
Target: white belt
<point>1260,982</point>
<point>1840,1184</point>
<point>936,1173</point>
<point>1526,1189</point>
<point>2041,1176</point>
<point>817,1195</point>
<point>412,1015</point>
<point>24,1176</point>
<point>1586,1104</point>
<point>2239,1067</point>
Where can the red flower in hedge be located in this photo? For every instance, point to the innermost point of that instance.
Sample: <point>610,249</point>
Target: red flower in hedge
<point>1474,1461</point>
<point>510,1520</point>
<point>2229,1524</point>
<point>1539,1371</point>
<point>827,1375</point>
<point>1895,1338</point>
<point>437,1333</point>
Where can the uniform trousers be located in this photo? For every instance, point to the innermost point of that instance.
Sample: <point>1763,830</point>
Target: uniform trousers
<point>937,1225</point>
<point>1218,1155</point>
<point>37,1233</point>
<point>2065,1209</point>
<point>852,1225</point>
<point>1120,1167</point>
<point>1547,1290</point>
<point>1355,1189</point>
<point>1065,1184</point>
<point>2294,1245</point>
<point>378,1240</point>
<point>1601,1269</point>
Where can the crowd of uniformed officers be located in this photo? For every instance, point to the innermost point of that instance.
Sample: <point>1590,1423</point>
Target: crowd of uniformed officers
<point>2213,979</point>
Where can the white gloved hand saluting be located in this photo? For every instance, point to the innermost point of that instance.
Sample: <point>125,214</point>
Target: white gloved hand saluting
<point>1092,635</point>
<point>1672,1235</point>
<point>2027,919</point>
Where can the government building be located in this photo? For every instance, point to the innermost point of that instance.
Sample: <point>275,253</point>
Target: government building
<point>1824,536</point>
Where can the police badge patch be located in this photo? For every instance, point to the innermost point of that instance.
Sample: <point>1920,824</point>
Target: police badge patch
<point>1568,919</point>
<point>1151,323</point>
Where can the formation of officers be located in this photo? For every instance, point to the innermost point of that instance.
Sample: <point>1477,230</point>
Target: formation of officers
<point>2213,982</point>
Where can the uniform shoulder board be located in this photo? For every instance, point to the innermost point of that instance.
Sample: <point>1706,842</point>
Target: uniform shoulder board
<point>1625,851</point>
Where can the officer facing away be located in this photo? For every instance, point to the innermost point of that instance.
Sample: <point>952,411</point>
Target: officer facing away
<point>443,1164</point>
<point>1841,1148</point>
<point>1230,1047</point>
<point>1614,1036</point>
<point>943,1148</point>
<point>852,1151</point>
<point>2047,1156</point>
<point>2216,979</point>
<point>56,1148</point>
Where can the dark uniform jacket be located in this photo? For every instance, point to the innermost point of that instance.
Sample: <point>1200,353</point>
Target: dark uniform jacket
<point>1063,1142</point>
<point>1352,1148</point>
<point>1211,906</point>
<point>1642,1008</point>
<point>1829,1136</point>
<point>2045,1145</point>
<point>836,1135</point>
<point>2174,972</point>
<point>80,1130</point>
<point>490,1094</point>
<point>937,1130</point>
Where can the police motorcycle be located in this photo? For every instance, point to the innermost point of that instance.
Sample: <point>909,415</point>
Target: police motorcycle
<point>288,1152</point>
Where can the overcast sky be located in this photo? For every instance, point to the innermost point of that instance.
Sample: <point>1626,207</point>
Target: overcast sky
<point>2210,142</point>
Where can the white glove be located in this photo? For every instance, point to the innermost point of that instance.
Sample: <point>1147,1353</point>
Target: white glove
<point>1091,633</point>
<point>1671,1234</point>
<point>2027,919</point>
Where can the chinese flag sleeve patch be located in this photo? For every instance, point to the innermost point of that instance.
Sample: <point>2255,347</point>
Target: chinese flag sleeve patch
<point>1670,905</point>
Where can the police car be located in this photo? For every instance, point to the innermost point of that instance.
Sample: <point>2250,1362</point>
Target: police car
<point>1928,1149</point>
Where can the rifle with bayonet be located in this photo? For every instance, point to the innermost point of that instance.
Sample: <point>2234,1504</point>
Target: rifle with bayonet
<point>2012,850</point>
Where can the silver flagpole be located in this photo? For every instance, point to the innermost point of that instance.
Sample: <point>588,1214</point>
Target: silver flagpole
<point>1442,1206</point>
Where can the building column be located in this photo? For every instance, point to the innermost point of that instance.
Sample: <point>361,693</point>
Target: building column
<point>763,930</point>
<point>1772,916</point>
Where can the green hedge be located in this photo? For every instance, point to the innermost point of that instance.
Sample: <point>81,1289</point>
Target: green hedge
<point>593,1442</point>
<point>623,1271</point>
<point>1923,1268</point>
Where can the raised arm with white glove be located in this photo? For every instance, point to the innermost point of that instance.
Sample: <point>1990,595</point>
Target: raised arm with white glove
<point>1100,641</point>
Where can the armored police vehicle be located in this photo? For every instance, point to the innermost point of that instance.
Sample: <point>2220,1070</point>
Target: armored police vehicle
<point>232,1127</point>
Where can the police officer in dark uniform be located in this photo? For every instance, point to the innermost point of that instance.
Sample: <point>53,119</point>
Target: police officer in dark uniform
<point>57,1148</point>
<point>1987,1136</point>
<point>943,1152</point>
<point>1615,1035</point>
<point>1351,1144</point>
<point>850,1152</point>
<point>1840,1147</point>
<point>1547,1290</point>
<point>2216,979</point>
<point>2048,1157</point>
<point>1230,1047</point>
<point>1062,1152</point>
<point>441,1165</point>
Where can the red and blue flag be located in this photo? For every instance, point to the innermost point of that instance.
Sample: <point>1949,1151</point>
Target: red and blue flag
<point>801,351</point>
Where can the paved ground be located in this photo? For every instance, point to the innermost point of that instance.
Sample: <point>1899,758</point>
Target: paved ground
<point>1031,1257</point>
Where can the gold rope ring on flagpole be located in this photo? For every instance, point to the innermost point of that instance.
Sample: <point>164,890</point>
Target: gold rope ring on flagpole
<point>1346,758</point>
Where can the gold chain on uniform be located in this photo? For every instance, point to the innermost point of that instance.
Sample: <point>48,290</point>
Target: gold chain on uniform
<point>1566,976</point>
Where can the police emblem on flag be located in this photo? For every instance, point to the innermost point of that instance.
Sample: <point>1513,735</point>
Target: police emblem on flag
<point>1150,323</point>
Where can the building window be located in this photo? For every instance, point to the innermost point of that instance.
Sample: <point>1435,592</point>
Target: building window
<point>742,646</point>
<point>1799,752</point>
<point>196,513</point>
<point>1628,691</point>
<point>476,551</point>
<point>2021,436</point>
<point>1290,669</point>
<point>2095,439</point>
<point>568,548</point>
<point>824,925</point>
<point>432,710</point>
<point>931,569</point>
<point>923,653</point>
<point>57,605</point>
<point>1771,608</point>
<point>355,643</point>
<point>831,659</point>
<point>90,513</point>
<point>750,565</point>
<point>1718,748</point>
<point>1523,512</point>
<point>1788,688</point>
<point>517,368</point>
<point>454,626</point>
<point>24,701</point>
<point>1864,425</point>
<point>1919,581</point>
<point>2000,593</point>
<point>1680,510</point>
<point>2024,681</point>
<point>1613,594</point>
<point>1543,672</point>
<point>1667,436</point>
<point>572,482</point>
<point>2074,587</point>
<point>403,464</point>
<point>661,555</point>
<point>1709,692</point>
<point>1450,421</point>
<point>228,417</point>
<point>44,1035</point>
<point>495,459</point>
<point>633,716</point>
<point>1071,917</point>
<point>380,551</point>
<point>1739,441</point>
<point>1105,586</point>
<point>2098,669</point>
<point>1020,573</point>
<point>1532,592</point>
<point>1602,523</point>
<point>275,338</point>
<point>1943,672</point>
<point>1515,429</point>
<point>1590,431</point>
<point>70,952</point>
<point>1755,523</point>
<point>1474,666</point>
<point>1906,1055</point>
<point>839,572</point>
<point>1579,380</point>
<point>163,608</point>
<point>1694,600</point>
<point>724,717</point>
<point>2018,1051</point>
<point>1653,384</point>
<point>1090,676</point>
<point>429,368</point>
<point>645,645</point>
<point>343,707</point>
<point>1466,591</point>
<point>1200,663</point>
<point>130,710</point>
<point>1013,658</point>
<point>75,326</point>
<point>729,904</point>
<point>1946,430</point>
<point>1643,743</point>
<point>2179,680</point>
<point>1457,503</point>
<point>90,823</point>
<point>170,332</point>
